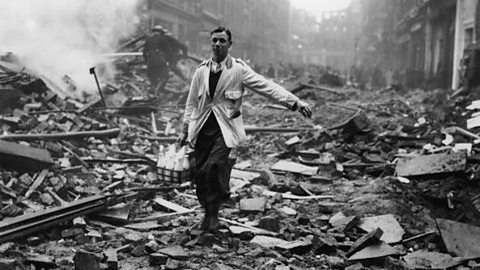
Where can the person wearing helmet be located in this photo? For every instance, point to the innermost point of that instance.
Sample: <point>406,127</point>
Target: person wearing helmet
<point>155,53</point>
<point>178,50</point>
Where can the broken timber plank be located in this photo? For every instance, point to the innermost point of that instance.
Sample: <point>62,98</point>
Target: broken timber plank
<point>162,216</point>
<point>25,224</point>
<point>254,229</point>
<point>55,196</point>
<point>314,197</point>
<point>287,196</point>
<point>248,176</point>
<point>453,130</point>
<point>307,85</point>
<point>89,105</point>
<point>24,157</point>
<point>431,164</point>
<point>418,236</point>
<point>116,160</point>
<point>169,139</point>
<point>84,164</point>
<point>289,166</point>
<point>172,206</point>
<point>69,135</point>
<point>38,181</point>
<point>276,129</point>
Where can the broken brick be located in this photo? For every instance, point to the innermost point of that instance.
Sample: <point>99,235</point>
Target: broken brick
<point>139,250</point>
<point>41,261</point>
<point>112,259</point>
<point>325,245</point>
<point>157,259</point>
<point>367,239</point>
<point>431,164</point>
<point>72,232</point>
<point>152,246</point>
<point>85,260</point>
<point>267,241</point>
<point>270,223</point>
<point>296,247</point>
<point>345,224</point>
<point>175,252</point>
<point>253,205</point>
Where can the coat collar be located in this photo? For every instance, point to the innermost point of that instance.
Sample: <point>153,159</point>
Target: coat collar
<point>228,62</point>
<point>221,81</point>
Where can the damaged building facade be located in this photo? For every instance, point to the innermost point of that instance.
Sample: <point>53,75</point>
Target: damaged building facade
<point>414,43</point>
<point>262,28</point>
<point>418,43</point>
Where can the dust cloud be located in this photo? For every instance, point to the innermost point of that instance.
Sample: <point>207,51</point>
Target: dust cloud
<point>65,37</point>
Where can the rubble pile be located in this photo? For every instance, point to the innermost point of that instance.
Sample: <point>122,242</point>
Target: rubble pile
<point>376,180</point>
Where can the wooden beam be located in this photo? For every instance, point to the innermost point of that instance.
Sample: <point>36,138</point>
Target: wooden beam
<point>38,181</point>
<point>24,157</point>
<point>108,133</point>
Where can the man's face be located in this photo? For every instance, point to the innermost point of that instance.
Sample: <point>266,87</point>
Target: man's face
<point>220,45</point>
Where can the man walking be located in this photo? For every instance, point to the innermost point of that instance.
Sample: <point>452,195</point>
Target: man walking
<point>213,119</point>
<point>155,53</point>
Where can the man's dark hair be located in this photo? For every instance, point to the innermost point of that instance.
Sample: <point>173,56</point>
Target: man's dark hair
<point>221,29</point>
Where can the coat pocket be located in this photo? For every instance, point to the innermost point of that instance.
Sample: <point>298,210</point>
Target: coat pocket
<point>233,94</point>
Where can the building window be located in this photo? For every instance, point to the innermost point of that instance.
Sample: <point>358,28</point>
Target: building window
<point>469,36</point>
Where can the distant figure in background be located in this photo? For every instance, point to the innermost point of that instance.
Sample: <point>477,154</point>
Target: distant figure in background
<point>282,72</point>
<point>155,54</point>
<point>177,51</point>
<point>270,71</point>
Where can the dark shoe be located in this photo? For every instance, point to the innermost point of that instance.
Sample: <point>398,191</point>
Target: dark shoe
<point>205,222</point>
<point>202,224</point>
<point>213,222</point>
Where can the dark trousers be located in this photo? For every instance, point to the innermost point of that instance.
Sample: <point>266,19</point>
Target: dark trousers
<point>212,165</point>
<point>158,75</point>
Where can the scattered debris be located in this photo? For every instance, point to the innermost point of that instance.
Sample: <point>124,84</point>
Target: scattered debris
<point>392,231</point>
<point>431,164</point>
<point>378,250</point>
<point>460,239</point>
<point>430,260</point>
<point>13,155</point>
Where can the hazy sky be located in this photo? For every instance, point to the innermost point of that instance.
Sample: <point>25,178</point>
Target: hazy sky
<point>317,6</point>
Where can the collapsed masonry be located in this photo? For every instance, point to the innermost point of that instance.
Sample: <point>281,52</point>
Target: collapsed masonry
<point>84,174</point>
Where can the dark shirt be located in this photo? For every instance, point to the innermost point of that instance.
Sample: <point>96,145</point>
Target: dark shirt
<point>213,81</point>
<point>155,50</point>
<point>212,124</point>
<point>176,47</point>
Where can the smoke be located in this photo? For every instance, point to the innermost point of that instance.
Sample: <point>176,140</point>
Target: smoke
<point>65,37</point>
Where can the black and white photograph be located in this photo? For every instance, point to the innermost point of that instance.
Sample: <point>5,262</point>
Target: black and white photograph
<point>239,134</point>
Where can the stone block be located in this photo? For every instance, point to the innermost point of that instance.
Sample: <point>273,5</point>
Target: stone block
<point>253,205</point>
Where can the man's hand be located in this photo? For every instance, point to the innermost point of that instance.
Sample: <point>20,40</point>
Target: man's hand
<point>182,139</point>
<point>304,108</point>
